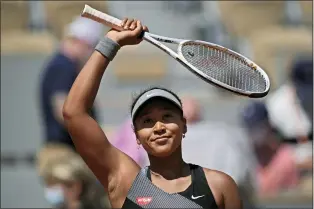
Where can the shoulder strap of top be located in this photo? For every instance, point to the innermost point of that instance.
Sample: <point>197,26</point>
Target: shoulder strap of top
<point>200,183</point>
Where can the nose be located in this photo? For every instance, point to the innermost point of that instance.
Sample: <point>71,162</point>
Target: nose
<point>159,128</point>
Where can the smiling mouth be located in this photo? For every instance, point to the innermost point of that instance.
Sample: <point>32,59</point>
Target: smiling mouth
<point>161,138</point>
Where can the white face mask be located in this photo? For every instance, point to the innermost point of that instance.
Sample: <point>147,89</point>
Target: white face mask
<point>54,195</point>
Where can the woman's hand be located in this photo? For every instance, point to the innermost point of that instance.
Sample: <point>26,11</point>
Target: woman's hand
<point>130,34</point>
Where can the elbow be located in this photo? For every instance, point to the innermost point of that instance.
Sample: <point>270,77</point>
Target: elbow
<point>69,111</point>
<point>73,107</point>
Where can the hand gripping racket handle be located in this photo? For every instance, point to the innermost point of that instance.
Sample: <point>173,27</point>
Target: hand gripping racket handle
<point>103,18</point>
<point>115,23</point>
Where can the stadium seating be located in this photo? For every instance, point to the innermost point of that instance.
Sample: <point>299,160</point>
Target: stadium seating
<point>14,15</point>
<point>25,42</point>
<point>307,9</point>
<point>15,36</point>
<point>242,17</point>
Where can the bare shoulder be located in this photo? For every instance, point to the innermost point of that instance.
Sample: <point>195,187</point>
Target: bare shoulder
<point>224,188</point>
<point>218,178</point>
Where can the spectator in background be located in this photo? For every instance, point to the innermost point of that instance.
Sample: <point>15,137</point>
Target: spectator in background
<point>125,140</point>
<point>291,111</point>
<point>217,146</point>
<point>68,182</point>
<point>276,166</point>
<point>296,98</point>
<point>60,73</point>
<point>51,152</point>
<point>302,81</point>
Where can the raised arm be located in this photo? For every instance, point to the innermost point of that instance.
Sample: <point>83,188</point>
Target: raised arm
<point>104,160</point>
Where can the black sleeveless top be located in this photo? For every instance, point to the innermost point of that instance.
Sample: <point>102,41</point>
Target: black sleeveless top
<point>144,194</point>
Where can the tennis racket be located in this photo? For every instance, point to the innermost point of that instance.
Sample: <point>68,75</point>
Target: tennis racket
<point>213,63</point>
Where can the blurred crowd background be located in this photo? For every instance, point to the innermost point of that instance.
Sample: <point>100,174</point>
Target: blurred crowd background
<point>264,144</point>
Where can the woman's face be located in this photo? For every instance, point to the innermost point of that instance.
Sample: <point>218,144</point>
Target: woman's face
<point>159,127</point>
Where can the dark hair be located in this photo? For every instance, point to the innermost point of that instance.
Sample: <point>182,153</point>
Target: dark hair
<point>137,96</point>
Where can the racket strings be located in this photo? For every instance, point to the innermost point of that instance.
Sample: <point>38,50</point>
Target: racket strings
<point>224,67</point>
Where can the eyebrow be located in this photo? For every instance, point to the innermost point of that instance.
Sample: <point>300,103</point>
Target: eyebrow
<point>147,113</point>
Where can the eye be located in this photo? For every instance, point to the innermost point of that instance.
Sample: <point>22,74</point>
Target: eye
<point>147,120</point>
<point>167,115</point>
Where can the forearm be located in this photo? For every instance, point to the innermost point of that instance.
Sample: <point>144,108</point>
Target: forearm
<point>84,90</point>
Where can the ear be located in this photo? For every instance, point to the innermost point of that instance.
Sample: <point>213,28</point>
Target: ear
<point>137,140</point>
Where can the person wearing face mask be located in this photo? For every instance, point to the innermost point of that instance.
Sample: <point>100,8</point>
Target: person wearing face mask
<point>69,184</point>
<point>80,38</point>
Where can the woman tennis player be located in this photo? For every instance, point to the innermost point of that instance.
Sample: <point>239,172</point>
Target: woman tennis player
<point>159,126</point>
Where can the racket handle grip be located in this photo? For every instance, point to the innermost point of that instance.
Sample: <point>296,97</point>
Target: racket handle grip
<point>102,18</point>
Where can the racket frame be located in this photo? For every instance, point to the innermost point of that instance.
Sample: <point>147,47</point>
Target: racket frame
<point>156,40</point>
<point>206,78</point>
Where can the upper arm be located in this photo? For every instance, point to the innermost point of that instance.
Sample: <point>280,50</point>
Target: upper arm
<point>231,194</point>
<point>106,162</point>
